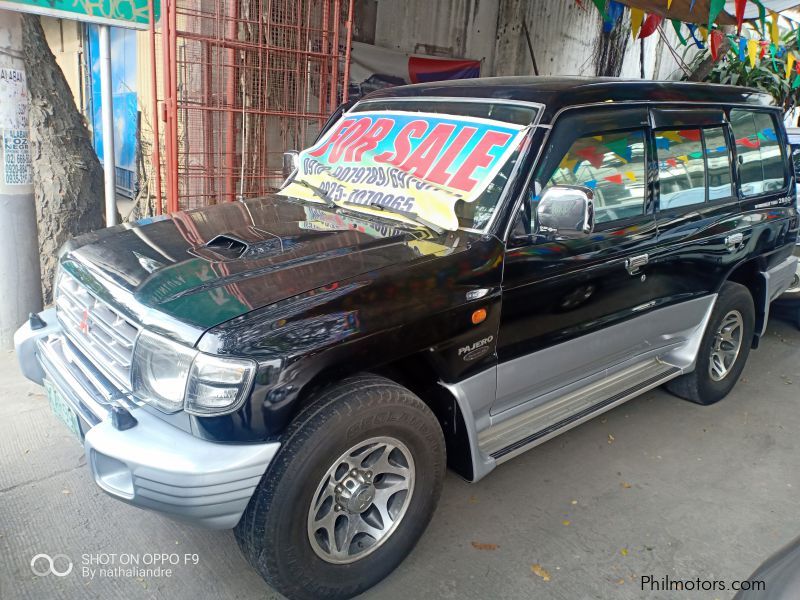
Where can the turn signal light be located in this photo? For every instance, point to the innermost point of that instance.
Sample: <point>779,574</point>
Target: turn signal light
<point>479,316</point>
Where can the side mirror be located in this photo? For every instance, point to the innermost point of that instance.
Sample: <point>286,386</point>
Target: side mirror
<point>291,161</point>
<point>566,211</point>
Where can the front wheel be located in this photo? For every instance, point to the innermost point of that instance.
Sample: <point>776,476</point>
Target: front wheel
<point>723,350</point>
<point>350,492</point>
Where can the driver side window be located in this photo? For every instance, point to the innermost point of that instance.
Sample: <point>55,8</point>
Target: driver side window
<point>612,165</point>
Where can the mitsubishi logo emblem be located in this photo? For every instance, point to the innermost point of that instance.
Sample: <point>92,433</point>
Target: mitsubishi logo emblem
<point>84,324</point>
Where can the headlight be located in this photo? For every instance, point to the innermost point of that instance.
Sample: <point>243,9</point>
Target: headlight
<point>160,370</point>
<point>165,373</point>
<point>218,385</point>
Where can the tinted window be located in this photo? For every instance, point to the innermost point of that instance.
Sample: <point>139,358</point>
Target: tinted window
<point>611,164</point>
<point>693,166</point>
<point>681,168</point>
<point>760,159</point>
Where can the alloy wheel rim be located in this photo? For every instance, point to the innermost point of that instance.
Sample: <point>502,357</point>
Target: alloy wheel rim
<point>361,500</point>
<point>726,346</point>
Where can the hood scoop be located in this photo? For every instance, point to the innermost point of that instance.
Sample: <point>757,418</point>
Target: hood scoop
<point>255,243</point>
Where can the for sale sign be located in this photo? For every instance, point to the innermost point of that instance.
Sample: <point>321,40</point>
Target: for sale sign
<point>420,163</point>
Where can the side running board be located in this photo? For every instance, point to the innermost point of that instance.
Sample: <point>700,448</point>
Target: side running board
<point>522,432</point>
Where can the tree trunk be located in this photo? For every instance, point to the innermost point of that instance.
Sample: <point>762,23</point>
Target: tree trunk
<point>67,177</point>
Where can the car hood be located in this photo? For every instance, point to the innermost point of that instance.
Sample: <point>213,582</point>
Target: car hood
<point>207,266</point>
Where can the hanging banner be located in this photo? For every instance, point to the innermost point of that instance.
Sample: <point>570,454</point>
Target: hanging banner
<point>373,68</point>
<point>419,163</point>
<point>119,13</point>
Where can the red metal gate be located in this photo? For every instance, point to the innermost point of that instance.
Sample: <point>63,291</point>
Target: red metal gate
<point>242,81</point>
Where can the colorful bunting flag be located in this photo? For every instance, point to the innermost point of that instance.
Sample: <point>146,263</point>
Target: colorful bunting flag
<point>630,175</point>
<point>692,30</point>
<point>613,15</point>
<point>673,136</point>
<point>594,157</point>
<point>637,16</point>
<point>748,143</point>
<point>693,135</point>
<point>774,32</point>
<point>740,5</point>
<point>716,41</point>
<point>742,49</point>
<point>614,178</point>
<point>796,82</point>
<point>715,7</point>
<point>752,51</point>
<point>568,163</point>
<point>669,4</point>
<point>650,25</point>
<point>620,147</point>
<point>601,6</point>
<point>676,25</point>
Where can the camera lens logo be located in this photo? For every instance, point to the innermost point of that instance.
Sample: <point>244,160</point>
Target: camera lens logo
<point>44,564</point>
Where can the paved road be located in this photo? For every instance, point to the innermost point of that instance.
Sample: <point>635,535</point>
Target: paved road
<point>656,487</point>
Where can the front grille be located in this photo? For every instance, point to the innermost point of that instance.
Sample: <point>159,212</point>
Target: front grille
<point>105,336</point>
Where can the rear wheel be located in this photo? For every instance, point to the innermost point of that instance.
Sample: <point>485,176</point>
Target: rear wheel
<point>723,350</point>
<point>349,493</point>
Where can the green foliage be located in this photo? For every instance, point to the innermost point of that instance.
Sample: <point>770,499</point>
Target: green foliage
<point>768,74</point>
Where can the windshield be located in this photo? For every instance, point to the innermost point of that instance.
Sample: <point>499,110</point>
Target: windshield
<point>440,163</point>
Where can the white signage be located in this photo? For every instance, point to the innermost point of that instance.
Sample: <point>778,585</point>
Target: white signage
<point>14,127</point>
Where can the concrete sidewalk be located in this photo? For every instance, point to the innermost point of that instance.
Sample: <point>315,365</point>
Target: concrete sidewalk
<point>656,487</point>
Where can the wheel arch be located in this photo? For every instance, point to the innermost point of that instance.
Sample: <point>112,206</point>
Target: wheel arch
<point>419,375</point>
<point>750,274</point>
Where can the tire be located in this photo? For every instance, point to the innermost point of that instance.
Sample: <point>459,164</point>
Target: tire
<point>275,532</point>
<point>705,385</point>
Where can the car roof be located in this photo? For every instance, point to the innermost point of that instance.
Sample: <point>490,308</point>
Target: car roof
<point>557,93</point>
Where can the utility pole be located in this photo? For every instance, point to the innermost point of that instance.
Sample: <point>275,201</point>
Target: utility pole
<point>107,103</point>
<point>20,277</point>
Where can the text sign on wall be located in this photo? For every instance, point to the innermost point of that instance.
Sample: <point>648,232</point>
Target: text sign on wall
<point>15,155</point>
<point>119,13</point>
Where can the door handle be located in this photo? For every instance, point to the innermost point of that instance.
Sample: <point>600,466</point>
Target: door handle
<point>732,241</point>
<point>634,263</point>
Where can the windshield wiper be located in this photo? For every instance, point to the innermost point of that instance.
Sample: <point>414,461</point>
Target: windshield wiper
<point>411,216</point>
<point>317,191</point>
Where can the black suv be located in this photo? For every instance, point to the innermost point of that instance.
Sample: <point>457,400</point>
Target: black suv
<point>454,274</point>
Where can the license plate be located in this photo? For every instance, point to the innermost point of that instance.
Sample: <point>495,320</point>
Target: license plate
<point>61,409</point>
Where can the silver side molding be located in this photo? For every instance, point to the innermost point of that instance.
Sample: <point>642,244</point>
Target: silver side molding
<point>512,437</point>
<point>777,280</point>
<point>672,337</point>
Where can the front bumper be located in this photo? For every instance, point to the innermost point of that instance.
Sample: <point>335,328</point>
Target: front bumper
<point>153,464</point>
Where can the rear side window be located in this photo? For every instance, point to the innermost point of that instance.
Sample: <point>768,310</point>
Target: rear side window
<point>760,159</point>
<point>613,166</point>
<point>693,167</point>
